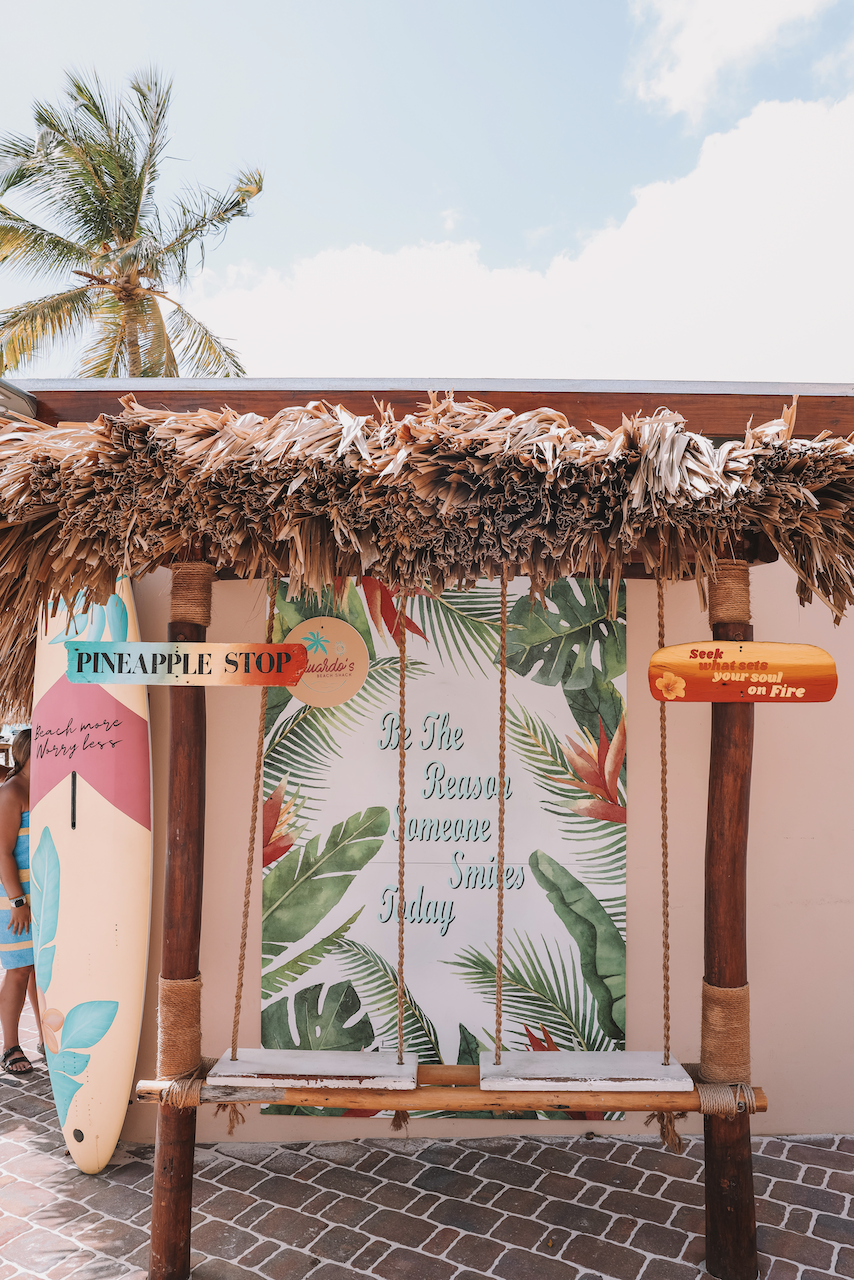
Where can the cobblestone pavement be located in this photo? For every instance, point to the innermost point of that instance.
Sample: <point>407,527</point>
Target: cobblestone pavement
<point>523,1208</point>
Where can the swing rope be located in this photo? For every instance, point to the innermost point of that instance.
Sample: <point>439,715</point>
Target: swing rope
<point>665,853</point>
<point>502,736</point>
<point>400,1120</point>
<point>401,820</point>
<point>253,824</point>
<point>671,1138</point>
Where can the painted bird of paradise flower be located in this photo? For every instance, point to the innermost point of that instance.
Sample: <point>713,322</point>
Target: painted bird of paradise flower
<point>595,768</point>
<point>279,828</point>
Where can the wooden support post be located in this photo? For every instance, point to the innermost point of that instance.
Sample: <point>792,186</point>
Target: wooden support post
<point>730,1207</point>
<point>182,918</point>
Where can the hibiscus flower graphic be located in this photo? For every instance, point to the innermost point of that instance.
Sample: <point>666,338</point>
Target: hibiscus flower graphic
<point>671,685</point>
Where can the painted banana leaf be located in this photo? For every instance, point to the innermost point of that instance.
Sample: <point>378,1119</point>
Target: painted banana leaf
<point>538,990</point>
<point>302,743</point>
<point>276,976</point>
<point>603,854</point>
<point>602,949</point>
<point>468,1053</point>
<point>334,1026</point>
<point>304,885</point>
<point>376,981</point>
<point>558,646</point>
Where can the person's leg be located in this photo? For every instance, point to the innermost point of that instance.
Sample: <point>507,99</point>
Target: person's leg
<point>34,1001</point>
<point>12,995</point>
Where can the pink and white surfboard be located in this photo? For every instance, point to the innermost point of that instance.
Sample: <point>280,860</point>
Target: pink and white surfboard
<point>90,867</point>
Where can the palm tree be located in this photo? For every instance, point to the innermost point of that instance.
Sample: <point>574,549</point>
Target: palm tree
<point>92,169</point>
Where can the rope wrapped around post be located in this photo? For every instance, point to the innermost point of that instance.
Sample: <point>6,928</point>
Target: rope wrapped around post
<point>192,582</point>
<point>179,1043</point>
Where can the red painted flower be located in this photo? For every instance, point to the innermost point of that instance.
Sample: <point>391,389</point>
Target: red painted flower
<point>278,827</point>
<point>596,770</point>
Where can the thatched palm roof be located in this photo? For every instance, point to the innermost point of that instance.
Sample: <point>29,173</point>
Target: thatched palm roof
<point>438,498</point>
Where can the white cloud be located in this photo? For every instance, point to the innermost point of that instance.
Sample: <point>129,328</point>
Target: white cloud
<point>742,270</point>
<point>694,41</point>
<point>450,218</point>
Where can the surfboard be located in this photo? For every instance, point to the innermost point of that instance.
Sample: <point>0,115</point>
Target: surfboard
<point>90,877</point>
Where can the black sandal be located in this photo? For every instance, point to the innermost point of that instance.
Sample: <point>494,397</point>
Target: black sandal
<point>11,1059</point>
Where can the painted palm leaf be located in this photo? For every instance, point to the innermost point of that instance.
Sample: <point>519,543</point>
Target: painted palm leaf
<point>301,744</point>
<point>603,854</point>
<point>277,976</point>
<point>537,991</point>
<point>376,982</point>
<point>461,625</point>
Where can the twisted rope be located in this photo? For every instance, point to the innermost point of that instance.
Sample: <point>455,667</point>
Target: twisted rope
<point>400,1119</point>
<point>671,1138</point>
<point>253,825</point>
<point>401,822</point>
<point>665,853</point>
<point>502,741</point>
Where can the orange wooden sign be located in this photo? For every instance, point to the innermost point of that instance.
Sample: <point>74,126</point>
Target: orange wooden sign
<point>742,671</point>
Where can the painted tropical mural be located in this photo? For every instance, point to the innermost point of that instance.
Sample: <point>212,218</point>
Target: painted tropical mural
<point>330,892</point>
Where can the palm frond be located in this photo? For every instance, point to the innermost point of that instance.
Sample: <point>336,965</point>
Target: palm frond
<point>26,329</point>
<point>92,166</point>
<point>302,743</point>
<point>276,976</point>
<point>375,981</point>
<point>461,624</point>
<point>202,213</point>
<point>200,353</point>
<point>26,246</point>
<point>105,355</point>
<point>537,991</point>
<point>153,98</point>
<point>603,844</point>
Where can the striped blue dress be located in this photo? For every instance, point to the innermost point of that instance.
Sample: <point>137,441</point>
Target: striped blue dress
<point>16,949</point>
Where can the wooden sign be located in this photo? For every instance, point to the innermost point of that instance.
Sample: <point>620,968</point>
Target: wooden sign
<point>742,671</point>
<point>105,662</point>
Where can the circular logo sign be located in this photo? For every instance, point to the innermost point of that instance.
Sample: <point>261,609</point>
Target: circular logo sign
<point>337,661</point>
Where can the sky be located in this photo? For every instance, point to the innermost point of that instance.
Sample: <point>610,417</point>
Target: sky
<point>498,188</point>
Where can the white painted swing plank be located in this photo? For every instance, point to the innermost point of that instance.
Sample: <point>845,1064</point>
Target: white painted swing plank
<point>637,1072</point>
<point>316,1069</point>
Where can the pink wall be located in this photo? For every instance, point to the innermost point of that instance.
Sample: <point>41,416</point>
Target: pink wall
<point>801,880</point>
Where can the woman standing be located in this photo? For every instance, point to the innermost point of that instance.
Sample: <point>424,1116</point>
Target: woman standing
<point>16,938</point>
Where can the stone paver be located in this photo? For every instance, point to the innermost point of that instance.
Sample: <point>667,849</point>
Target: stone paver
<point>514,1208</point>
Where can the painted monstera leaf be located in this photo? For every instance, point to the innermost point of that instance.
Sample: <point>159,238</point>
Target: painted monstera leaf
<point>563,641</point>
<point>329,1027</point>
<point>602,950</point>
<point>562,645</point>
<point>307,883</point>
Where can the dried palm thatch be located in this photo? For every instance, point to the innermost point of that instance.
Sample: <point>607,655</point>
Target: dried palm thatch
<point>441,497</point>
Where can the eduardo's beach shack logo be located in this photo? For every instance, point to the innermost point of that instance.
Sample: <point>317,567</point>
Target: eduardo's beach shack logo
<point>337,662</point>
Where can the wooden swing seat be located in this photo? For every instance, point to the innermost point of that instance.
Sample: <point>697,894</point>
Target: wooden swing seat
<point>442,1088</point>
<point>316,1069</point>
<point>632,1071</point>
